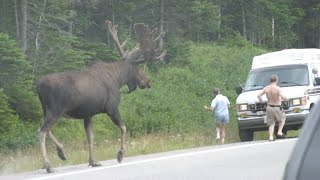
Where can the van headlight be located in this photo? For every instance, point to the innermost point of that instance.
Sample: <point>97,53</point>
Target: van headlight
<point>296,102</point>
<point>299,101</point>
<point>242,107</point>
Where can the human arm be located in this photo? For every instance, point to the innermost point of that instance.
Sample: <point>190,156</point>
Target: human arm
<point>261,93</point>
<point>208,108</point>
<point>211,107</point>
<point>283,97</point>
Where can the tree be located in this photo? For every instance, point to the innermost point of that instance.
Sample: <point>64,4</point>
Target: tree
<point>8,118</point>
<point>308,27</point>
<point>16,79</point>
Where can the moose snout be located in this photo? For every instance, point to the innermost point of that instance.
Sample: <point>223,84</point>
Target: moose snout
<point>144,85</point>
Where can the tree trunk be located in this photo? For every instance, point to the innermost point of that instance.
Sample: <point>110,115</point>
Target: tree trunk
<point>243,16</point>
<point>16,14</point>
<point>161,22</point>
<point>272,26</point>
<point>39,25</point>
<point>24,18</point>
<point>219,16</point>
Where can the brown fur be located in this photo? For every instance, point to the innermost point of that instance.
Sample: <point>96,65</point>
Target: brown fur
<point>83,94</point>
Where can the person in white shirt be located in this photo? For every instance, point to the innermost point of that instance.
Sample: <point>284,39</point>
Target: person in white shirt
<point>220,105</point>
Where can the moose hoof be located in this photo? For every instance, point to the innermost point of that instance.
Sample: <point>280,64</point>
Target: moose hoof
<point>95,164</point>
<point>120,155</point>
<point>48,169</point>
<point>61,154</point>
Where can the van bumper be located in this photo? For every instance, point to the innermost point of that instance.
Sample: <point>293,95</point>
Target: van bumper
<point>293,122</point>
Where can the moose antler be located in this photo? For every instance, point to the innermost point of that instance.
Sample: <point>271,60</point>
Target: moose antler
<point>148,42</point>
<point>146,46</point>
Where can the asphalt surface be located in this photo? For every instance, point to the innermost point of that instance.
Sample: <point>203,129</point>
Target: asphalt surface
<point>262,160</point>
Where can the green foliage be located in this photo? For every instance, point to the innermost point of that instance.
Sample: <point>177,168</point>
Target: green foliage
<point>175,101</point>
<point>61,56</point>
<point>178,53</point>
<point>8,118</point>
<point>18,101</point>
<point>13,64</point>
<point>14,134</point>
<point>16,80</point>
<point>203,20</point>
<point>235,40</point>
<point>23,136</point>
<point>96,51</point>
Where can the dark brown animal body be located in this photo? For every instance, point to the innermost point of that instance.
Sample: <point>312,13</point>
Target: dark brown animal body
<point>89,92</point>
<point>83,94</point>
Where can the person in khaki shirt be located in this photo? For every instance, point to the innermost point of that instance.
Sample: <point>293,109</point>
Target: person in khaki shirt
<point>274,110</point>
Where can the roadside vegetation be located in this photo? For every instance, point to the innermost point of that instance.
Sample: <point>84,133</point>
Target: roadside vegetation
<point>168,116</point>
<point>209,44</point>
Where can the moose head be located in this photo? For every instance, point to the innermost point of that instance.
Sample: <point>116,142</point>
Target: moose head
<point>144,51</point>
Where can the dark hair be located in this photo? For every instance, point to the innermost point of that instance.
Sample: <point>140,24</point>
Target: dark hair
<point>273,78</point>
<point>216,91</point>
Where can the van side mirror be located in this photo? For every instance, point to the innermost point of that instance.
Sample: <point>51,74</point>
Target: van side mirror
<point>317,81</point>
<point>315,71</point>
<point>238,90</point>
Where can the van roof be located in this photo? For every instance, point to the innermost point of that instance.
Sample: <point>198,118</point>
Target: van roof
<point>286,56</point>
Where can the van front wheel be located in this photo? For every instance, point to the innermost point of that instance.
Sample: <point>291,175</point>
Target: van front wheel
<point>245,135</point>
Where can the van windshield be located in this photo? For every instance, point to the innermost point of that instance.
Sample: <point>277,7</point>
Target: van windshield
<point>289,75</point>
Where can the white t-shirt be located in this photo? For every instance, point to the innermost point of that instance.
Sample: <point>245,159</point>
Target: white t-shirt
<point>220,104</point>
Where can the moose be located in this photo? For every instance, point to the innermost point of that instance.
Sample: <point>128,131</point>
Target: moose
<point>96,89</point>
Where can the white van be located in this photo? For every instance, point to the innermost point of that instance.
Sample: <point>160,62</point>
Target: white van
<point>297,70</point>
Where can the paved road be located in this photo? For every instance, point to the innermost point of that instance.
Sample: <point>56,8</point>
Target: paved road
<point>261,160</point>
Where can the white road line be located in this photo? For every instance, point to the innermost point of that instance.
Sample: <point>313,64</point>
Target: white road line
<point>50,176</point>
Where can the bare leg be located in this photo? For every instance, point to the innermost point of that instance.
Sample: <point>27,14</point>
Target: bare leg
<point>271,130</point>
<point>115,117</point>
<point>59,147</point>
<point>218,131</point>
<point>88,128</point>
<point>223,132</point>
<point>281,125</point>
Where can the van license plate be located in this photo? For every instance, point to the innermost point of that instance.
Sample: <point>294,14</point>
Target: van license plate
<point>259,113</point>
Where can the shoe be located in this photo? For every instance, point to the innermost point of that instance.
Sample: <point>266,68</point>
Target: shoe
<point>271,140</point>
<point>281,136</point>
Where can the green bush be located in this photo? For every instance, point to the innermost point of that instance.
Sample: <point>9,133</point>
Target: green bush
<point>175,101</point>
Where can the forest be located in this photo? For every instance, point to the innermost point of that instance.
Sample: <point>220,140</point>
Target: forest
<point>209,43</point>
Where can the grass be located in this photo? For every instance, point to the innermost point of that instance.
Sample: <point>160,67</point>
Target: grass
<point>77,153</point>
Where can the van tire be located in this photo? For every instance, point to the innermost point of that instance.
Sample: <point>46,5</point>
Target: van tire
<point>245,135</point>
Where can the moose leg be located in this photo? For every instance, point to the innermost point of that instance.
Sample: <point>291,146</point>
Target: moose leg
<point>115,117</point>
<point>88,128</point>
<point>59,147</point>
<point>45,128</point>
